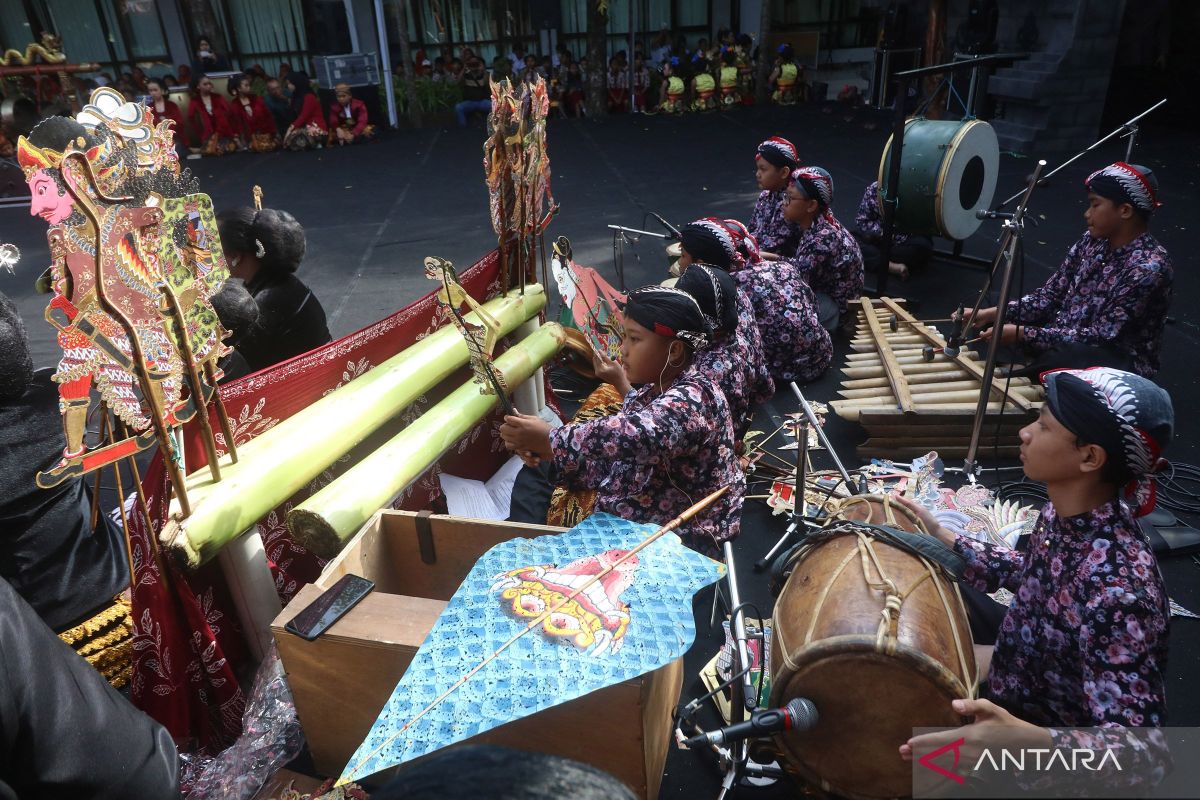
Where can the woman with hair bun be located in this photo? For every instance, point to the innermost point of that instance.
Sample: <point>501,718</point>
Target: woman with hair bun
<point>264,248</point>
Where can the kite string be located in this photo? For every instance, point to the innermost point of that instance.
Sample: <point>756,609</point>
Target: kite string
<point>670,526</point>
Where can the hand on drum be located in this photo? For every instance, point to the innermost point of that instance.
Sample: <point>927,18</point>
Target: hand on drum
<point>528,436</point>
<point>993,727</point>
<point>610,371</point>
<point>927,519</point>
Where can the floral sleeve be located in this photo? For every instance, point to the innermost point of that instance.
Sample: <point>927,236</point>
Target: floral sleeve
<point>989,567</point>
<point>1040,304</point>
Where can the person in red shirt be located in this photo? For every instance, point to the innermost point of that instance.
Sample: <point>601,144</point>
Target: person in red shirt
<point>208,114</point>
<point>250,117</point>
<point>164,109</point>
<point>348,118</point>
<point>308,129</point>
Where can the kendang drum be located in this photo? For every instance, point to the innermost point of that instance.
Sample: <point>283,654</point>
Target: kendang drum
<point>875,634</point>
<point>948,171</point>
<point>674,253</point>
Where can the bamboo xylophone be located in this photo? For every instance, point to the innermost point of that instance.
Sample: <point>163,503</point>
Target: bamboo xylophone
<point>910,405</point>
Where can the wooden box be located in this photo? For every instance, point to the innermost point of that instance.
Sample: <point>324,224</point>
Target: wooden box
<point>341,680</point>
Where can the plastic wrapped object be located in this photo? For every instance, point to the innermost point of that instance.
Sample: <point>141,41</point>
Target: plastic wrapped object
<point>271,737</point>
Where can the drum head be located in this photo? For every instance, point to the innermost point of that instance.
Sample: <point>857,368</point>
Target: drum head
<point>967,180</point>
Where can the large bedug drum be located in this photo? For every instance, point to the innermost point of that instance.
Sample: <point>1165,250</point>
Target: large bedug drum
<point>876,636</point>
<point>948,171</point>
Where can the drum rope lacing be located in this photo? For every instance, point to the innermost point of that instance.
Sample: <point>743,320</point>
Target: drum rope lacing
<point>886,635</point>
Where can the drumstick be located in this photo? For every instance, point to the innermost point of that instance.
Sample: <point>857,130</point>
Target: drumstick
<point>928,352</point>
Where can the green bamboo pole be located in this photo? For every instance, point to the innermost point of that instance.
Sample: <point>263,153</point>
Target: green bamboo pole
<point>281,461</point>
<point>325,522</point>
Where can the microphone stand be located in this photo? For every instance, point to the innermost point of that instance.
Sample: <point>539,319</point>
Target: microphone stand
<point>1011,251</point>
<point>799,507</point>
<point>619,240</point>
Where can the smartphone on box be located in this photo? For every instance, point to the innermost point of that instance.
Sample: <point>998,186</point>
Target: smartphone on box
<point>316,618</point>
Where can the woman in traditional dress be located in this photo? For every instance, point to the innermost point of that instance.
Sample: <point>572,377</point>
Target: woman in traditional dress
<point>308,129</point>
<point>163,109</point>
<point>251,118</point>
<point>208,114</point>
<point>672,443</point>
<point>264,248</point>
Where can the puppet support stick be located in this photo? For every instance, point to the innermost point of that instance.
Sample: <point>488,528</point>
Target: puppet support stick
<point>348,774</point>
<point>326,521</point>
<point>281,461</point>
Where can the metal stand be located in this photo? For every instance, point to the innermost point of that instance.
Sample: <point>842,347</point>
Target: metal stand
<point>798,504</point>
<point>812,420</point>
<point>619,239</point>
<point>1014,226</point>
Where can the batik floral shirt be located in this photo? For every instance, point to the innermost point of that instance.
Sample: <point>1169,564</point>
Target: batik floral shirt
<point>659,455</point>
<point>736,364</point>
<point>795,346</point>
<point>769,227</point>
<point>1100,295</point>
<point>1084,643</point>
<point>827,256</point>
<point>869,219</point>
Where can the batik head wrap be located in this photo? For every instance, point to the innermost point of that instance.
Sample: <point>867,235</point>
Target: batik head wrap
<point>778,152</point>
<point>716,293</point>
<point>745,246</point>
<point>1129,416</point>
<point>669,312</point>
<point>1126,183</point>
<point>708,240</point>
<point>815,184</point>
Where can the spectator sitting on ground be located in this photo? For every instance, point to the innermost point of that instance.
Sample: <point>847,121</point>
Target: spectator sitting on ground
<point>618,87</point>
<point>348,118</point>
<point>573,90</point>
<point>454,72</point>
<point>501,69</point>
<point>476,91</point>
<point>517,58</point>
<point>264,248</point>
<point>279,104</point>
<point>238,312</point>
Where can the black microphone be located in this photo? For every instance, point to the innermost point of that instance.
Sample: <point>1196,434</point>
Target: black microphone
<point>798,715</point>
<point>675,234</point>
<point>985,214</point>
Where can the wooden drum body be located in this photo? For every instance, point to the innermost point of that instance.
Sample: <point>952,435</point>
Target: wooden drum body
<point>877,638</point>
<point>948,171</point>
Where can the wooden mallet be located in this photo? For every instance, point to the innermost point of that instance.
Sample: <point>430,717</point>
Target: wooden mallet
<point>928,352</point>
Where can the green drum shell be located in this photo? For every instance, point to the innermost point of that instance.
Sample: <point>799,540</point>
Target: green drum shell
<point>948,171</point>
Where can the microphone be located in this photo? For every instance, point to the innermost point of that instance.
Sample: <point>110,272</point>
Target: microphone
<point>986,214</point>
<point>675,234</point>
<point>798,715</point>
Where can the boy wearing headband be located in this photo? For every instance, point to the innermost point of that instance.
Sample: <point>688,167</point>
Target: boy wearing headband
<point>773,165</point>
<point>1084,642</point>
<point>827,256</point>
<point>1107,304</point>
<point>672,443</point>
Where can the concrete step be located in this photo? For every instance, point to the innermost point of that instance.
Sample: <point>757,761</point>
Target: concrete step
<point>1021,87</point>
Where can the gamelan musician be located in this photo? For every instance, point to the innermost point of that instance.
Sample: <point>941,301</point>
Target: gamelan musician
<point>1106,305</point>
<point>1084,642</point>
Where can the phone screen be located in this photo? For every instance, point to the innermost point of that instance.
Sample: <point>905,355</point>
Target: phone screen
<point>319,615</point>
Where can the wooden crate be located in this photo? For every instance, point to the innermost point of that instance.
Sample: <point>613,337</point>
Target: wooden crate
<point>341,681</point>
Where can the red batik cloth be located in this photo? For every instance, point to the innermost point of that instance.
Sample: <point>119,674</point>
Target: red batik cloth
<point>188,646</point>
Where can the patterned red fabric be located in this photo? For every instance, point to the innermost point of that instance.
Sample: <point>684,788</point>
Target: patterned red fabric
<point>188,647</point>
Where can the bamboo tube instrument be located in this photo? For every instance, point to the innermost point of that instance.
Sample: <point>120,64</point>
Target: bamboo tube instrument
<point>325,522</point>
<point>279,462</point>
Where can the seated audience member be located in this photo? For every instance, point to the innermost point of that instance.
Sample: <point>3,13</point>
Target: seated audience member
<point>238,312</point>
<point>508,774</point>
<point>250,117</point>
<point>573,89</point>
<point>641,84</point>
<point>64,732</point>
<point>308,129</point>
<point>348,118</point>
<point>784,77</point>
<point>279,104</point>
<point>773,164</point>
<point>1106,305</point>
<point>730,94</point>
<point>476,91</point>
<point>1084,642</point>
<point>618,87</point>
<point>672,88</point>
<point>704,85</point>
<point>264,249</point>
<point>827,257</point>
<point>208,114</point>
<point>72,574</point>
<point>164,109</point>
<point>671,444</point>
<point>909,251</point>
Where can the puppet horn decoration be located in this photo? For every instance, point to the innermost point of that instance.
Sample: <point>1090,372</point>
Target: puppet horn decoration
<point>279,462</point>
<point>539,622</point>
<point>328,519</point>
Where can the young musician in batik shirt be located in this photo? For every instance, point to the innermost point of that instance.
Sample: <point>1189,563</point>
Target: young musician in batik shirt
<point>795,346</point>
<point>1084,642</point>
<point>773,165</point>
<point>908,251</point>
<point>1107,303</point>
<point>672,443</point>
<point>827,256</point>
<point>736,360</point>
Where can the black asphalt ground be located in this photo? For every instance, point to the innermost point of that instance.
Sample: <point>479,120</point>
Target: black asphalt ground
<point>373,212</point>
